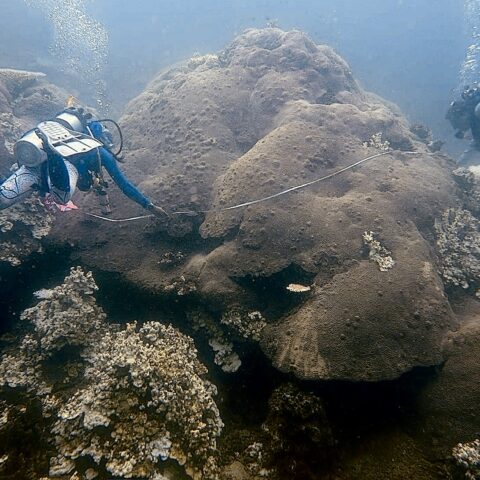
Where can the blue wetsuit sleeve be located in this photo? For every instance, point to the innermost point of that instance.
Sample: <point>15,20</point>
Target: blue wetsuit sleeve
<point>127,187</point>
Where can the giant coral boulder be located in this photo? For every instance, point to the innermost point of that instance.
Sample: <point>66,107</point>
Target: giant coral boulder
<point>271,111</point>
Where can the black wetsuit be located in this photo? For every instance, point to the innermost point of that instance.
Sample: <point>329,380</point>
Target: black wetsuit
<point>464,115</point>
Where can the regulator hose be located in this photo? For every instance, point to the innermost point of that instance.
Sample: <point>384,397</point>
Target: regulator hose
<point>120,134</point>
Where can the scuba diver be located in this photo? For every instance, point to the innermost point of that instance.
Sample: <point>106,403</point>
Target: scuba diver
<point>64,153</point>
<point>463,115</point>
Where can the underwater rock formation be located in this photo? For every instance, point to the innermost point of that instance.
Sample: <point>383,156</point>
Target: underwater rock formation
<point>121,401</point>
<point>29,96</point>
<point>21,229</point>
<point>26,98</point>
<point>447,407</point>
<point>271,111</point>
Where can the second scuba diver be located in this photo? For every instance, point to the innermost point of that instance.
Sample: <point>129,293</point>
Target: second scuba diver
<point>464,115</point>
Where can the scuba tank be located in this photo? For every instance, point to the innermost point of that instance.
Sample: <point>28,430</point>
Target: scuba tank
<point>61,135</point>
<point>72,132</point>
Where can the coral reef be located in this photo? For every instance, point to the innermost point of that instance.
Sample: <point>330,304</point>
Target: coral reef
<point>21,229</point>
<point>335,282</point>
<point>25,99</point>
<point>225,355</point>
<point>469,184</point>
<point>18,80</point>
<point>270,111</point>
<point>467,455</point>
<point>248,325</point>
<point>127,399</point>
<point>67,315</point>
<point>458,237</point>
<point>144,386</point>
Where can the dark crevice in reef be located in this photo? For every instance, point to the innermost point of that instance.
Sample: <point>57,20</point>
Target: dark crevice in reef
<point>273,299</point>
<point>124,302</point>
<point>357,413</point>
<point>365,407</point>
<point>244,395</point>
<point>28,457</point>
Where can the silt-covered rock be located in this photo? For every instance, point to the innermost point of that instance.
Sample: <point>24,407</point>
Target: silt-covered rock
<point>271,111</point>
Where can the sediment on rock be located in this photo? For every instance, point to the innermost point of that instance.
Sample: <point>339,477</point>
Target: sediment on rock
<point>271,111</point>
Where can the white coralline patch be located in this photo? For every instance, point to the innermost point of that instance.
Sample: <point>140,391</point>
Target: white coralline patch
<point>137,395</point>
<point>297,288</point>
<point>376,141</point>
<point>248,325</point>
<point>208,60</point>
<point>160,448</point>
<point>475,169</point>
<point>378,253</point>
<point>225,356</point>
<point>68,314</point>
<point>44,294</point>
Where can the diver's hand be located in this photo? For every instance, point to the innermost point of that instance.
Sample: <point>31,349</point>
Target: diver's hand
<point>157,211</point>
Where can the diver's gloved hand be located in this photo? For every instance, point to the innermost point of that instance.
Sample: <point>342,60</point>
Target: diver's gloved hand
<point>157,211</point>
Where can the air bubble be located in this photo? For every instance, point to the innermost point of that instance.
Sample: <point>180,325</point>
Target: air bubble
<point>470,70</point>
<point>80,43</point>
